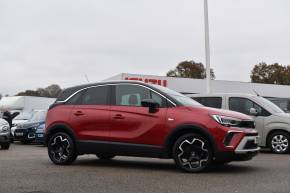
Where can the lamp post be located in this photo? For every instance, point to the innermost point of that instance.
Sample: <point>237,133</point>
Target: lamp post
<point>207,47</point>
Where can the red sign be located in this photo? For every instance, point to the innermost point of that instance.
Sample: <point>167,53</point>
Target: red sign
<point>149,80</point>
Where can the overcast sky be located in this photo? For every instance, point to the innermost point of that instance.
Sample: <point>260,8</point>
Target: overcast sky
<point>59,41</point>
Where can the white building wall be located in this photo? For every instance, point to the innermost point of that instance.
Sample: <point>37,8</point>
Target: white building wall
<point>187,85</point>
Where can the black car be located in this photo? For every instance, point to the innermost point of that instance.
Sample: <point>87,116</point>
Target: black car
<point>25,132</point>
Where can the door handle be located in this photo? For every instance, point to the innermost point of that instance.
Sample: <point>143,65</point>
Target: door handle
<point>79,113</point>
<point>119,116</point>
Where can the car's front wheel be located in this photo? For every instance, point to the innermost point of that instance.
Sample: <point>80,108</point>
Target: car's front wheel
<point>5,146</point>
<point>279,142</point>
<point>192,153</point>
<point>61,149</point>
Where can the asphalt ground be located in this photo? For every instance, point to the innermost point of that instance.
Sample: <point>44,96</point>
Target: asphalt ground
<point>27,169</point>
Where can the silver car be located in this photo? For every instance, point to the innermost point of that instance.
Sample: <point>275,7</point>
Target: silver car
<point>4,134</point>
<point>272,123</point>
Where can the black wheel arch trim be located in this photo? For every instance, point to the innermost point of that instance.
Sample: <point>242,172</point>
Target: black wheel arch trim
<point>59,126</point>
<point>186,128</point>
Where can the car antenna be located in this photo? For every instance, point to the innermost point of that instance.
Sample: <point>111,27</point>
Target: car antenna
<point>87,78</point>
<point>256,92</point>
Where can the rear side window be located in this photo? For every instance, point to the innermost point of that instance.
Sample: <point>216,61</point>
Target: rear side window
<point>214,102</point>
<point>96,96</point>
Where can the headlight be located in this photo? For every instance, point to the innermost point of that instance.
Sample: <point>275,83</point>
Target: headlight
<point>4,129</point>
<point>227,121</point>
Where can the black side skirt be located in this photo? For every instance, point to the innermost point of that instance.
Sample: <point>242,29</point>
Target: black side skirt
<point>121,149</point>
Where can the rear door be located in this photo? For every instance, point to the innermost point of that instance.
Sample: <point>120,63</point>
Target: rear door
<point>90,116</point>
<point>132,123</point>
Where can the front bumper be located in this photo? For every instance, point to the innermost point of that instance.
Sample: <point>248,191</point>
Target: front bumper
<point>24,135</point>
<point>242,146</point>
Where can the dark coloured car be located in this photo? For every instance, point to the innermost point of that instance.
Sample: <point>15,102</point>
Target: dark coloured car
<point>129,118</point>
<point>39,134</point>
<point>25,132</point>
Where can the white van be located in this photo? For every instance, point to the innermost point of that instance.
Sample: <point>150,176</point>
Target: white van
<point>272,123</point>
<point>25,105</point>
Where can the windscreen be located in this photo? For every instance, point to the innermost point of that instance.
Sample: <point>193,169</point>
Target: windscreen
<point>38,116</point>
<point>184,100</point>
<point>271,105</point>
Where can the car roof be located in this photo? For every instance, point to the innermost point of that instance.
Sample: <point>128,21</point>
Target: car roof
<point>72,90</point>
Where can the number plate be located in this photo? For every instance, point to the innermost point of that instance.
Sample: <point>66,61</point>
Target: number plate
<point>39,135</point>
<point>256,140</point>
<point>18,134</point>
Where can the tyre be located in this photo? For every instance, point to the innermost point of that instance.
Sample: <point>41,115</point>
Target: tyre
<point>192,153</point>
<point>5,146</point>
<point>61,149</point>
<point>104,156</point>
<point>279,142</point>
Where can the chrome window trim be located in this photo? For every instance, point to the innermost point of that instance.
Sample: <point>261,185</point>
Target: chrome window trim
<point>112,84</point>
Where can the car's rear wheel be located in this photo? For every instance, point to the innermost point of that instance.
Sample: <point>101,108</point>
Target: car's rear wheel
<point>104,156</point>
<point>192,153</point>
<point>61,149</point>
<point>5,146</point>
<point>279,142</point>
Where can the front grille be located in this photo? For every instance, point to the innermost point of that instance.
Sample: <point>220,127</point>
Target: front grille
<point>20,130</point>
<point>251,144</point>
<point>247,124</point>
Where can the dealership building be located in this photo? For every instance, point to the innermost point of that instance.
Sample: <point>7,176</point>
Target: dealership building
<point>280,94</point>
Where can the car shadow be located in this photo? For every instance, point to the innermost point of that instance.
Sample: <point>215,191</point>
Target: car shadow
<point>234,167</point>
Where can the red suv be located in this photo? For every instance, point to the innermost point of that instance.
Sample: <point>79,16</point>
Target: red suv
<point>129,118</point>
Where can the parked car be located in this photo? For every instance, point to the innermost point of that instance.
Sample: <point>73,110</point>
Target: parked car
<point>272,123</point>
<point>129,118</point>
<point>23,117</point>
<point>39,133</point>
<point>4,134</point>
<point>25,132</point>
<point>283,103</point>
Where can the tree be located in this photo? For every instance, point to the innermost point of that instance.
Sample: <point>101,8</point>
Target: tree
<point>271,74</point>
<point>51,91</point>
<point>190,69</point>
<point>1,96</point>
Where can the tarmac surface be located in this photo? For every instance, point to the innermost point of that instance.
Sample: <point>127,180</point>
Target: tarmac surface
<point>27,169</point>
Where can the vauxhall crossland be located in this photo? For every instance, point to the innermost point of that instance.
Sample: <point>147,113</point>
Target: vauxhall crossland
<point>129,118</point>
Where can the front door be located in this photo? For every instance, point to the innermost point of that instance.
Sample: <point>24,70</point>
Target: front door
<point>132,123</point>
<point>243,105</point>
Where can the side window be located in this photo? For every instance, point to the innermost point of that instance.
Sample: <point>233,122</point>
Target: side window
<point>96,96</point>
<point>214,102</point>
<point>244,105</point>
<point>130,95</point>
<point>159,99</point>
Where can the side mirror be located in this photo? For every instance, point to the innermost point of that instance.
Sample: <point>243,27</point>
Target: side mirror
<point>253,112</point>
<point>153,106</point>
